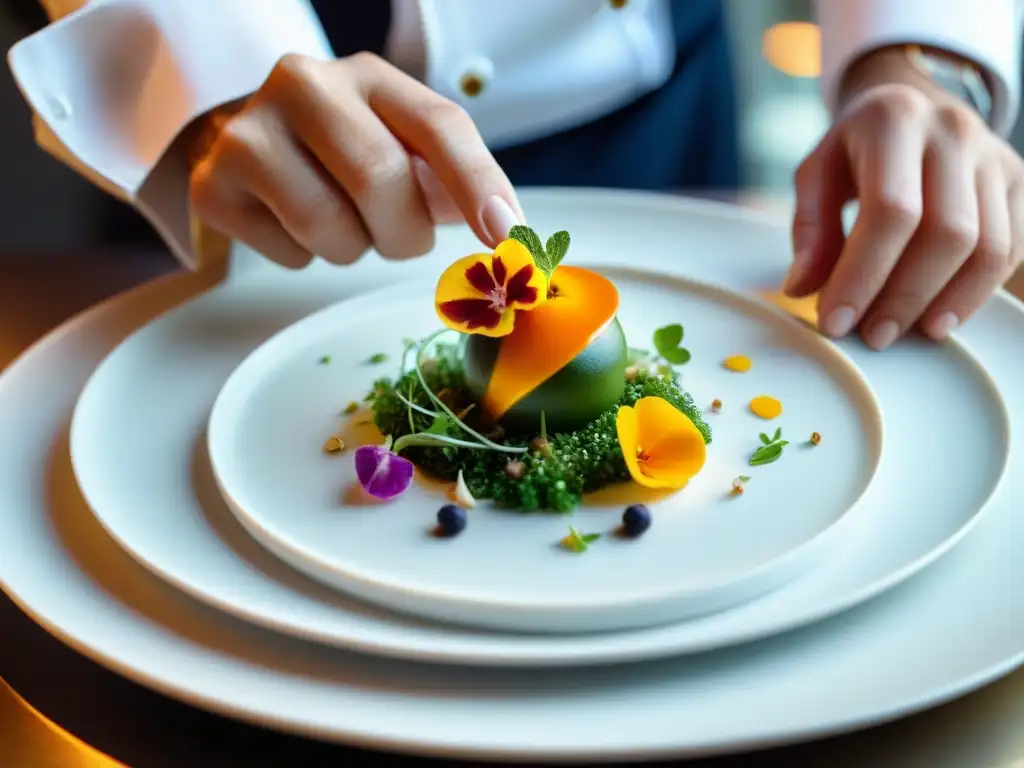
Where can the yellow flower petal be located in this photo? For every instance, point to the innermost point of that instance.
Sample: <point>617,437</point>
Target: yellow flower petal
<point>480,293</point>
<point>661,446</point>
<point>527,285</point>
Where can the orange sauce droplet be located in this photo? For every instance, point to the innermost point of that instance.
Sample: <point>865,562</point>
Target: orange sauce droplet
<point>765,407</point>
<point>737,363</point>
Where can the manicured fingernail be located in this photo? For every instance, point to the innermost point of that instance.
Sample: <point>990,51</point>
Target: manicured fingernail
<point>498,218</point>
<point>944,325</point>
<point>883,334</point>
<point>797,270</point>
<point>840,322</point>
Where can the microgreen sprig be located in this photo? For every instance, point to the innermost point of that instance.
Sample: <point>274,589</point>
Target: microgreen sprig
<point>579,542</point>
<point>770,450</point>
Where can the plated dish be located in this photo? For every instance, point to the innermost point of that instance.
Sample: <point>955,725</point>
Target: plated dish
<point>70,576</point>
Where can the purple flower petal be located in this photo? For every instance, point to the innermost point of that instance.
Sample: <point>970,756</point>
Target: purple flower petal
<point>383,474</point>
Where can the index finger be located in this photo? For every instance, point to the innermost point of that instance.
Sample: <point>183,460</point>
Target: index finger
<point>886,165</point>
<point>444,135</point>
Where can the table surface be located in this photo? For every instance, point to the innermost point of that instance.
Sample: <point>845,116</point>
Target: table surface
<point>55,703</point>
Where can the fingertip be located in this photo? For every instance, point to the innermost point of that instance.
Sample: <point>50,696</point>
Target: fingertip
<point>940,327</point>
<point>497,217</point>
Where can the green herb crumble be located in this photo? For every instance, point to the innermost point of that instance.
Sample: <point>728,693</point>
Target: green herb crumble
<point>550,476</point>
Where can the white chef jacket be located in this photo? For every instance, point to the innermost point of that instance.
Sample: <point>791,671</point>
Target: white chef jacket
<point>113,82</point>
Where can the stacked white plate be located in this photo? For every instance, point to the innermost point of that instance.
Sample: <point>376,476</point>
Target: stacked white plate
<point>175,519</point>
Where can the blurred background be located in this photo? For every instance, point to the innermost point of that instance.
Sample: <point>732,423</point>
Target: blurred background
<point>47,206</point>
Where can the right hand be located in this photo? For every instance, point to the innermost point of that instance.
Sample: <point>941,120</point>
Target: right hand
<point>330,158</point>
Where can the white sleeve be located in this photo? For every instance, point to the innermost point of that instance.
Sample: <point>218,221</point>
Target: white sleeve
<point>113,84</point>
<point>987,32</point>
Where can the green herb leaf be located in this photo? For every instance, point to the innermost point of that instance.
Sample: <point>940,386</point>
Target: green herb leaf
<point>744,478</point>
<point>531,240</point>
<point>677,356</point>
<point>668,338</point>
<point>579,542</point>
<point>778,434</point>
<point>439,426</point>
<point>377,358</point>
<point>666,342</point>
<point>574,541</point>
<point>765,439</point>
<point>325,360</point>
<point>557,247</point>
<point>766,455</point>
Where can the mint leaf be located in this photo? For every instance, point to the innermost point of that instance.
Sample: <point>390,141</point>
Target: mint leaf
<point>668,338</point>
<point>589,537</point>
<point>529,238</point>
<point>778,434</point>
<point>677,356</point>
<point>765,439</point>
<point>557,247</point>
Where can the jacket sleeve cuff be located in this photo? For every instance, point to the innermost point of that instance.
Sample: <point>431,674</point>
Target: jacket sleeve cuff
<point>113,84</point>
<point>987,33</point>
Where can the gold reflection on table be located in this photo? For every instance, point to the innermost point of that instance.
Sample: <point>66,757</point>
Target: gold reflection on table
<point>30,740</point>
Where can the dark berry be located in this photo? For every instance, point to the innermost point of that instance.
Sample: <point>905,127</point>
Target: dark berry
<point>451,520</point>
<point>635,520</point>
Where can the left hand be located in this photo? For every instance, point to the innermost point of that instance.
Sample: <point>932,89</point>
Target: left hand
<point>941,220</point>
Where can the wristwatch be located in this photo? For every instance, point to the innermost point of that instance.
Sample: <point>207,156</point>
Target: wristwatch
<point>957,77</point>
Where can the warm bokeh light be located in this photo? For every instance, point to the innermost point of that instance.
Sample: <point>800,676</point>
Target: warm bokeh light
<point>794,48</point>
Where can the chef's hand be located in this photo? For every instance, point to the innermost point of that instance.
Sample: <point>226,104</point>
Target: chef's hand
<point>330,158</point>
<point>941,219</point>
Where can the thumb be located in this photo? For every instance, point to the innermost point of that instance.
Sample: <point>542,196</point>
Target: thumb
<point>823,186</point>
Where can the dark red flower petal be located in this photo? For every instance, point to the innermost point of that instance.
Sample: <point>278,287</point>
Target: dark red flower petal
<point>519,288</point>
<point>481,279</point>
<point>500,272</point>
<point>473,313</point>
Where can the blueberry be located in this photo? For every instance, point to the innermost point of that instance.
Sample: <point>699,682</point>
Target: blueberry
<point>451,520</point>
<point>635,520</point>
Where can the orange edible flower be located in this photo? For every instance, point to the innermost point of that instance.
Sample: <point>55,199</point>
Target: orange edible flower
<point>481,293</point>
<point>661,446</point>
<point>580,306</point>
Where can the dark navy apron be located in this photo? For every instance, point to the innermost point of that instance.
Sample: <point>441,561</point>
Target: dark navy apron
<point>682,136</point>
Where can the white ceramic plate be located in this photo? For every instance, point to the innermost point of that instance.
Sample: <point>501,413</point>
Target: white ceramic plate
<point>507,570</point>
<point>164,379</point>
<point>951,630</point>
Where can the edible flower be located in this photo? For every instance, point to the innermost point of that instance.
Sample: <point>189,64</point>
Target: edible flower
<point>481,293</point>
<point>382,473</point>
<point>661,446</point>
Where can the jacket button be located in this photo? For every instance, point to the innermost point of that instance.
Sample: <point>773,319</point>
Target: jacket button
<point>471,84</point>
